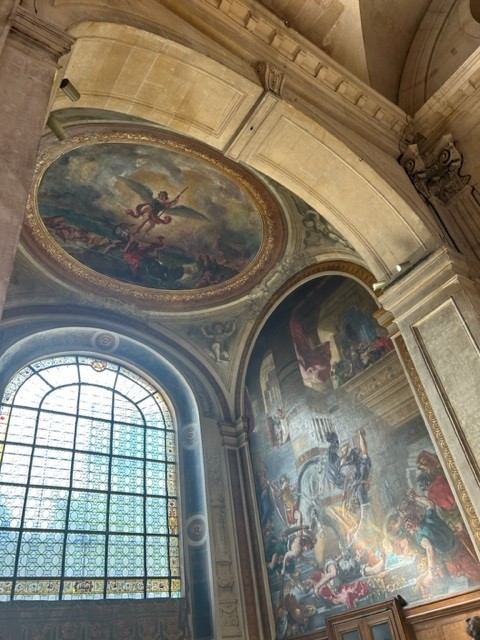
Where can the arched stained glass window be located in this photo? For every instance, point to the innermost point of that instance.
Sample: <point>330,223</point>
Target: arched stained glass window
<point>88,492</point>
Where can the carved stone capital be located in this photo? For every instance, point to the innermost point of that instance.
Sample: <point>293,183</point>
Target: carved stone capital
<point>436,175</point>
<point>271,77</point>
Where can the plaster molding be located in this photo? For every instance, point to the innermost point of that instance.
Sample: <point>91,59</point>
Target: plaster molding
<point>257,33</point>
<point>31,30</point>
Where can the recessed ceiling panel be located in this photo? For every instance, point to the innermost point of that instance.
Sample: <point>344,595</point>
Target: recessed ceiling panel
<point>153,218</point>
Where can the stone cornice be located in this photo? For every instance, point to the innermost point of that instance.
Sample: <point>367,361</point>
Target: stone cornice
<point>254,32</point>
<point>32,31</point>
<point>441,274</point>
<point>454,97</point>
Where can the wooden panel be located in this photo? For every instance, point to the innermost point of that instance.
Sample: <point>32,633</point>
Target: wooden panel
<point>444,619</point>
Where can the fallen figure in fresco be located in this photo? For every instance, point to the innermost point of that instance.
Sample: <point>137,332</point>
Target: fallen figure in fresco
<point>342,580</point>
<point>446,553</point>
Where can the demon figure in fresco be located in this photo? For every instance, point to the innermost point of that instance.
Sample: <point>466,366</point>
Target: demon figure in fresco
<point>348,517</point>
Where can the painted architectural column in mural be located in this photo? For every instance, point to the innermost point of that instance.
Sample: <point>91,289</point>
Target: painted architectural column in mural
<point>436,308</point>
<point>28,62</point>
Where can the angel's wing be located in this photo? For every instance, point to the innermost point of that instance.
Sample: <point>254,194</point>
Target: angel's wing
<point>145,193</point>
<point>187,212</point>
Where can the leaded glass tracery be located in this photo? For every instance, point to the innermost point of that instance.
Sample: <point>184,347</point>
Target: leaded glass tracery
<point>88,498</point>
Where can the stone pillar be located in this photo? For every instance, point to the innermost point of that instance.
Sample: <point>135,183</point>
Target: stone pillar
<point>258,621</point>
<point>436,308</point>
<point>28,62</point>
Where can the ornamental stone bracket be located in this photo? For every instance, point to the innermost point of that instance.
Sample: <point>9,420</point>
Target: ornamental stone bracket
<point>271,77</point>
<point>455,204</point>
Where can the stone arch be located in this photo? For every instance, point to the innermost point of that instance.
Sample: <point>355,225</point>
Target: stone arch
<point>31,338</point>
<point>172,86</point>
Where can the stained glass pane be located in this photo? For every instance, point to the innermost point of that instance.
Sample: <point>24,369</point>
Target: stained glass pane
<point>8,549</point>
<point>92,373</point>
<point>125,588</point>
<point>95,401</point>
<point>32,392</point>
<point>45,508</point>
<point>93,435</point>
<point>55,430</point>
<point>84,555</point>
<point>155,478</point>
<point>52,374</point>
<point>51,467</point>
<point>62,399</point>
<point>84,481</point>
<point>83,589</point>
<point>88,511</point>
<point>130,388</point>
<point>15,463</point>
<point>128,440</point>
<point>125,556</point>
<point>155,443</point>
<point>157,556</point>
<point>21,425</point>
<point>156,515</point>
<point>40,554</point>
<point>126,513</point>
<point>12,499</point>
<point>90,471</point>
<point>127,475</point>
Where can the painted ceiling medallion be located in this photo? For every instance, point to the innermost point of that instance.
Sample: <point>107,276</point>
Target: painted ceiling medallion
<point>152,218</point>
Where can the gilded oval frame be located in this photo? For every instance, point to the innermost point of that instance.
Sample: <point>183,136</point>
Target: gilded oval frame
<point>52,255</point>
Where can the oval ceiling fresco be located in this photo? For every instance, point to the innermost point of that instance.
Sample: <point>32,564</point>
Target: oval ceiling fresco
<point>153,218</point>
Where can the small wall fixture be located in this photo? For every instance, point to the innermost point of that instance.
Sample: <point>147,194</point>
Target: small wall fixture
<point>376,286</point>
<point>403,266</point>
<point>69,90</point>
<point>56,128</point>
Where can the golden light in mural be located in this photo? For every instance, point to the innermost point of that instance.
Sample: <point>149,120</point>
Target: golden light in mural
<point>152,218</point>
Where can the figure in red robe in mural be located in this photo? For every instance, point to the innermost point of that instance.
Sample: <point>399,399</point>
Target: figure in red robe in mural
<point>315,361</point>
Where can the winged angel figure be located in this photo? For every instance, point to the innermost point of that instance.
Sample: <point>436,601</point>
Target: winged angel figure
<point>152,208</point>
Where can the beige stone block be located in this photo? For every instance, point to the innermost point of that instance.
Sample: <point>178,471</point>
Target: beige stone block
<point>136,68</point>
<point>145,74</point>
<point>314,164</point>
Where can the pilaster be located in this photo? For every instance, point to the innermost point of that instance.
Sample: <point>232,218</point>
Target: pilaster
<point>436,308</point>
<point>235,438</point>
<point>28,62</point>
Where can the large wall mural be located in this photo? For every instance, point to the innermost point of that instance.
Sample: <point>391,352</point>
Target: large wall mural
<point>153,214</point>
<point>348,516</point>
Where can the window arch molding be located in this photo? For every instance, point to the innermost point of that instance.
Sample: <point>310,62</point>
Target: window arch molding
<point>26,342</point>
